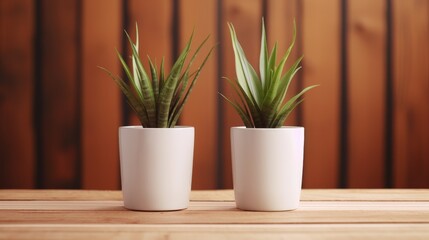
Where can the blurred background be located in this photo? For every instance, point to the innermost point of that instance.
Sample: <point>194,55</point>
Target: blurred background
<point>367,125</point>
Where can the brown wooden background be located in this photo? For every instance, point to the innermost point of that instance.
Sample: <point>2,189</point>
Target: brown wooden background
<point>367,125</point>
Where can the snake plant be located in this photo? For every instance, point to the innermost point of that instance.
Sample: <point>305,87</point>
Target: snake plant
<point>158,100</point>
<point>261,97</point>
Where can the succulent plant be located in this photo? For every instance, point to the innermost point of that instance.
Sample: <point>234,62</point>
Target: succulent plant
<point>158,100</point>
<point>261,97</point>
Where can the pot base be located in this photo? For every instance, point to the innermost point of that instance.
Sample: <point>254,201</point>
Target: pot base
<point>151,210</point>
<point>267,210</point>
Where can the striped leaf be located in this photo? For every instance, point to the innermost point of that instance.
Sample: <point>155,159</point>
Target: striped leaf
<point>261,96</point>
<point>158,100</point>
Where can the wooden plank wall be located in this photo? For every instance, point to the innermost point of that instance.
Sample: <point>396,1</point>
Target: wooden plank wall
<point>366,125</point>
<point>321,109</point>
<point>17,82</point>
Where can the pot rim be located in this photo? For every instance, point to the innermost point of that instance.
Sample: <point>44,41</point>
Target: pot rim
<point>139,127</point>
<point>283,128</point>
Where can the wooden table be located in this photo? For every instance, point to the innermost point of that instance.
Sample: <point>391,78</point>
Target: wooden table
<point>323,214</point>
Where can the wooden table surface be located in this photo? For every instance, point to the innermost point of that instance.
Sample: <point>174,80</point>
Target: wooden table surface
<point>323,214</point>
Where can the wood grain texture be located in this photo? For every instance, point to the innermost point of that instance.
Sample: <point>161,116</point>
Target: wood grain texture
<point>380,195</point>
<point>366,61</point>
<point>59,110</point>
<point>411,86</point>
<point>246,18</point>
<point>17,150</point>
<point>324,214</point>
<point>321,107</point>
<point>218,231</point>
<point>201,109</point>
<point>90,212</point>
<point>101,110</point>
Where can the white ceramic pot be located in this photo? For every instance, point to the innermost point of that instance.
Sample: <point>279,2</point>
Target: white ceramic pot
<point>156,167</point>
<point>267,167</point>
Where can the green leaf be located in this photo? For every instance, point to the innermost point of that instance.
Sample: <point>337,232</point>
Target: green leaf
<point>159,99</point>
<point>281,118</point>
<point>177,113</point>
<point>132,100</point>
<point>250,81</point>
<point>290,104</point>
<point>145,86</point>
<point>128,73</point>
<point>261,96</point>
<point>136,73</point>
<point>238,67</point>
<point>246,103</point>
<point>247,122</point>
<point>183,82</point>
<point>271,68</point>
<point>167,92</point>
<point>161,74</point>
<point>155,80</point>
<point>263,56</point>
<point>177,97</point>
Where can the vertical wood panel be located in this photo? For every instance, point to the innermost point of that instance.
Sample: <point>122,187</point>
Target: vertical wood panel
<point>101,115</point>
<point>71,124</point>
<point>59,130</point>
<point>155,31</point>
<point>411,88</point>
<point>366,81</point>
<point>246,17</point>
<point>201,109</point>
<point>321,116</point>
<point>17,159</point>
<point>279,21</point>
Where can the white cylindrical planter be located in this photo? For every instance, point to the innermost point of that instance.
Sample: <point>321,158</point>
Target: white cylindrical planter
<point>267,167</point>
<point>156,167</point>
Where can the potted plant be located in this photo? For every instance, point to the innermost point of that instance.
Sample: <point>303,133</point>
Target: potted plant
<point>156,157</point>
<point>267,158</point>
